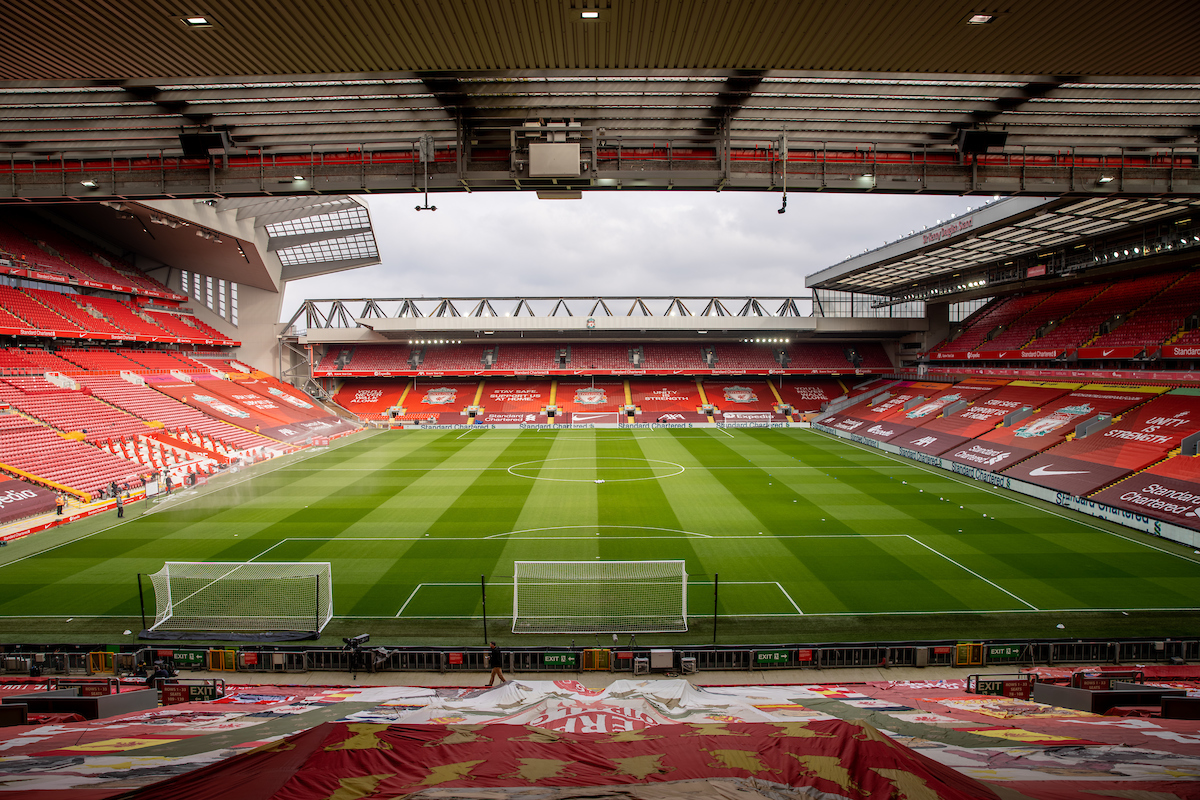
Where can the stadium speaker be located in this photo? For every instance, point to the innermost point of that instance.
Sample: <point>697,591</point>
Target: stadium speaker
<point>207,143</point>
<point>974,142</point>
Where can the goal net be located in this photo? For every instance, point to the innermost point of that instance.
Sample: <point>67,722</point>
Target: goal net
<point>599,597</point>
<point>259,600</point>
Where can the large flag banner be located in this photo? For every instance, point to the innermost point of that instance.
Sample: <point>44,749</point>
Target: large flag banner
<point>1002,447</point>
<point>901,420</point>
<point>947,432</point>
<point>859,418</point>
<point>371,398</point>
<point>1144,436</point>
<point>1168,491</point>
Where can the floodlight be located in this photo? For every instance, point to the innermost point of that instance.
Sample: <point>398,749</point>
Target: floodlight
<point>88,183</point>
<point>981,19</point>
<point>196,22</point>
<point>590,15</point>
<point>1103,179</point>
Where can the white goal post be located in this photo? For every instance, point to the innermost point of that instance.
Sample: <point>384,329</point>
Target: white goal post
<point>599,597</point>
<point>261,599</point>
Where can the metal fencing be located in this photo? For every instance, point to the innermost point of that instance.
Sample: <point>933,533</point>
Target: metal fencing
<point>257,660</point>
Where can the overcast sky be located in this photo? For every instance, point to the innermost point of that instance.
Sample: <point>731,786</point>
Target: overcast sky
<point>619,243</point>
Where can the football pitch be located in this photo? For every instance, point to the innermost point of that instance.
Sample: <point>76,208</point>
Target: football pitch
<point>810,538</point>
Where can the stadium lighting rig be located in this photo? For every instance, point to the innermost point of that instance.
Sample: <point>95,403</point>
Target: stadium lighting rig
<point>425,151</point>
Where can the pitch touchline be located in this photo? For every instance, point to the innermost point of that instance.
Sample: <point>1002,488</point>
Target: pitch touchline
<point>125,522</point>
<point>951,476</point>
<point>697,616</point>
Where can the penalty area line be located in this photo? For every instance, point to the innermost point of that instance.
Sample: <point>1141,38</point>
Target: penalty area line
<point>973,572</point>
<point>417,589</point>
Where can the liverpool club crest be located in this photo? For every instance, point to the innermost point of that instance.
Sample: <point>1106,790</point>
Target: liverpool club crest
<point>740,394</point>
<point>439,397</point>
<point>591,396</point>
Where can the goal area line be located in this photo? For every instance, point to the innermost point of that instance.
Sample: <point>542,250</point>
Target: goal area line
<point>412,595</point>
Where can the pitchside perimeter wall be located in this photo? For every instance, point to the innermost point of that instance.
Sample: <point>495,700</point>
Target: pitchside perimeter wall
<point>1081,504</point>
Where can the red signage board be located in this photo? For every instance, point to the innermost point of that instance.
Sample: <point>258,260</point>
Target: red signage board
<point>1085,353</point>
<point>454,658</point>
<point>174,693</point>
<point>1181,351</point>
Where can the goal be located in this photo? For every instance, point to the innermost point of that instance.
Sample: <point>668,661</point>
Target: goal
<point>599,597</point>
<point>259,600</point>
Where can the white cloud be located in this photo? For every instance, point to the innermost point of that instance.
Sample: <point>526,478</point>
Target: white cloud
<point>619,243</point>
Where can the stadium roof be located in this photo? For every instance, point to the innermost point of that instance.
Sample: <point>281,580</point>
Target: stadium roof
<point>261,241</point>
<point>147,38</point>
<point>365,81</point>
<point>967,249</point>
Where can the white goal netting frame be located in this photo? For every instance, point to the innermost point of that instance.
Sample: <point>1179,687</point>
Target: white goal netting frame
<point>259,597</point>
<point>599,597</point>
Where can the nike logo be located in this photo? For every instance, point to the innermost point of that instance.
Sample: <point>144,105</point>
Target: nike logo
<point>1040,471</point>
<point>1107,352</point>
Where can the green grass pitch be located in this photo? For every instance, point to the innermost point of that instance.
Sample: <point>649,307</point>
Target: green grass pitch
<point>813,539</point>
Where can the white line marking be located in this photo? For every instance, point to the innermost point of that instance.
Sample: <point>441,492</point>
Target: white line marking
<point>973,572</point>
<point>419,586</point>
<point>941,473</point>
<point>687,534</point>
<point>647,462</point>
<point>505,469</point>
<point>625,527</point>
<point>789,598</point>
<point>727,433</point>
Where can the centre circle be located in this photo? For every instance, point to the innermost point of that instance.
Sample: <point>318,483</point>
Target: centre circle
<point>593,470</point>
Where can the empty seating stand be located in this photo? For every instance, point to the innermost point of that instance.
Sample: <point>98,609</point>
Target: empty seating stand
<point>1055,307</point>
<point>599,356</point>
<point>42,453</point>
<point>1160,320</point>
<point>36,313</point>
<point>818,356</point>
<point>152,405</point>
<point>77,256</point>
<point>68,409</point>
<point>1120,298</point>
<point>745,356</point>
<point>1003,312</point>
<point>65,306</point>
<point>125,317</point>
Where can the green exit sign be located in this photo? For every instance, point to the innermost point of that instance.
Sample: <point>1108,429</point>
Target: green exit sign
<point>190,658</point>
<point>772,656</point>
<point>1003,651</point>
<point>559,659</point>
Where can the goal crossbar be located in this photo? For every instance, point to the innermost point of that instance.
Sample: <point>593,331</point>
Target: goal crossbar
<point>599,597</point>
